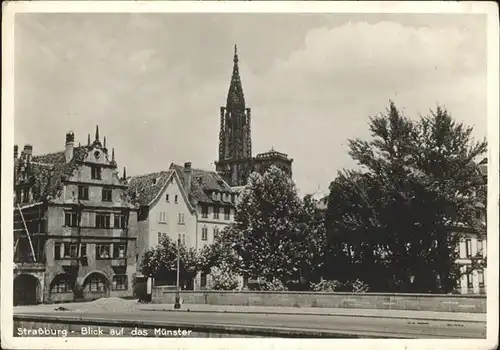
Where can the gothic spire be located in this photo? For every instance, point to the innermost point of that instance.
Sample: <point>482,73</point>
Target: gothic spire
<point>113,155</point>
<point>104,142</point>
<point>235,97</point>
<point>124,173</point>
<point>88,141</point>
<point>97,132</point>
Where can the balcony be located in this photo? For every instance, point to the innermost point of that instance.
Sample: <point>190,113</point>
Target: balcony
<point>21,266</point>
<point>117,262</point>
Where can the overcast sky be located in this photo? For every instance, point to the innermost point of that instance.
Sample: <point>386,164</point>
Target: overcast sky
<point>155,82</point>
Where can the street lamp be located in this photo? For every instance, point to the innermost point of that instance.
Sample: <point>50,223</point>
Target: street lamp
<point>177,304</point>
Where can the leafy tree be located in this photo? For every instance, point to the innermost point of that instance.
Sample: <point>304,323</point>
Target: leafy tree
<point>161,260</point>
<point>268,239</point>
<point>390,223</point>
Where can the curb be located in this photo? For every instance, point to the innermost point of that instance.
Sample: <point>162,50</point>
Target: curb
<point>314,314</point>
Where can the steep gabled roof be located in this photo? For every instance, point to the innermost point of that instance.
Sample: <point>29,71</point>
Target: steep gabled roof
<point>145,188</point>
<point>203,182</point>
<point>46,172</point>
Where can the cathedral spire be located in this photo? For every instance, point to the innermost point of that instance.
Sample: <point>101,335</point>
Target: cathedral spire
<point>97,132</point>
<point>88,141</point>
<point>124,173</point>
<point>235,97</point>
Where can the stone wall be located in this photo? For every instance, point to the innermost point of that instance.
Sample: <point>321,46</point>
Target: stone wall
<point>417,302</point>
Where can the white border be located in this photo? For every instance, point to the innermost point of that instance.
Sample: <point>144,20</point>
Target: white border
<point>9,11</point>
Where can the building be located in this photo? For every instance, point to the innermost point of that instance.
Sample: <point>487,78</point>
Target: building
<point>235,162</point>
<point>74,225</point>
<point>184,202</point>
<point>472,247</point>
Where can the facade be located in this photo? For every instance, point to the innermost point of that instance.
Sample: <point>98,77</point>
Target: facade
<point>473,247</point>
<point>74,225</point>
<point>184,202</point>
<point>235,162</point>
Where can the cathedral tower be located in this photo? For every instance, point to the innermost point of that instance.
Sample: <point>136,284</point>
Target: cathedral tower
<point>235,141</point>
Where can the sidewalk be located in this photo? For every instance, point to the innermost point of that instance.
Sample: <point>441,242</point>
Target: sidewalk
<point>134,306</point>
<point>404,314</point>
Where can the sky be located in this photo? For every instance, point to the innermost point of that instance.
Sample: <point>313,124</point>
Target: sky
<point>154,83</point>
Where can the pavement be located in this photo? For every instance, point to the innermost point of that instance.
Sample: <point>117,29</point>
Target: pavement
<point>120,305</point>
<point>348,312</point>
<point>273,324</point>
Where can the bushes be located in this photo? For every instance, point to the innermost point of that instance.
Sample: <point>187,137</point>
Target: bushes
<point>356,286</point>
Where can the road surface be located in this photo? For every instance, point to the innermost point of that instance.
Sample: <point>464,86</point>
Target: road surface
<point>367,326</point>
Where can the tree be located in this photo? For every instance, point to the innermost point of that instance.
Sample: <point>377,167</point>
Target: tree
<point>390,223</point>
<point>266,227</point>
<point>161,261</point>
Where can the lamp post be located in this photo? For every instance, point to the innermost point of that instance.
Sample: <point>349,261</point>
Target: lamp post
<point>177,304</point>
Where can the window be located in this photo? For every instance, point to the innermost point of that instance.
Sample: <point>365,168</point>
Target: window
<point>181,218</point>
<point>119,251</point>
<point>176,198</point>
<point>83,192</point>
<point>204,233</point>
<point>182,238</point>
<point>83,249</point>
<point>480,277</point>
<point>162,217</point>
<point>166,198</point>
<point>468,248</point>
<point>96,172</point>
<point>227,212</point>
<point>65,251</point>
<point>204,211</point>
<point>107,194</point>
<point>102,220</point>
<point>161,237</point>
<point>70,219</point>
<point>478,214</point>
<point>469,279</point>
<point>102,251</point>
<point>480,248</point>
<point>120,282</point>
<point>96,284</point>
<point>57,251</point>
<point>62,284</point>
<point>26,195</point>
<point>203,280</point>
<point>216,212</point>
<point>120,221</point>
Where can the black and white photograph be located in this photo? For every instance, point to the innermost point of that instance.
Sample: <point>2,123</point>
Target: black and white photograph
<point>245,174</point>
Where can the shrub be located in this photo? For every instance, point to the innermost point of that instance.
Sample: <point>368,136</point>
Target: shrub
<point>224,279</point>
<point>274,285</point>
<point>326,286</point>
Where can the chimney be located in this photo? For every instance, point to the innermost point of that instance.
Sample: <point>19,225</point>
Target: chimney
<point>187,177</point>
<point>28,151</point>
<point>15,152</point>
<point>70,143</point>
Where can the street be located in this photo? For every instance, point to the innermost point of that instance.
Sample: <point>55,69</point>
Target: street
<point>353,325</point>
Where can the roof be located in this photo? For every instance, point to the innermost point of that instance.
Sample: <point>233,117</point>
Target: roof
<point>46,172</point>
<point>145,188</point>
<point>203,182</point>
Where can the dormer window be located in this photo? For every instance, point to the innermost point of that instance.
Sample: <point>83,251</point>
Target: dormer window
<point>167,198</point>
<point>154,181</point>
<point>96,173</point>
<point>176,199</point>
<point>214,196</point>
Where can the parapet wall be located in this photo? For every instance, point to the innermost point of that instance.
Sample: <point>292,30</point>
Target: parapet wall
<point>417,302</point>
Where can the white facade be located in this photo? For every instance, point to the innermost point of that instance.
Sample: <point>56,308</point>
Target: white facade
<point>171,215</point>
